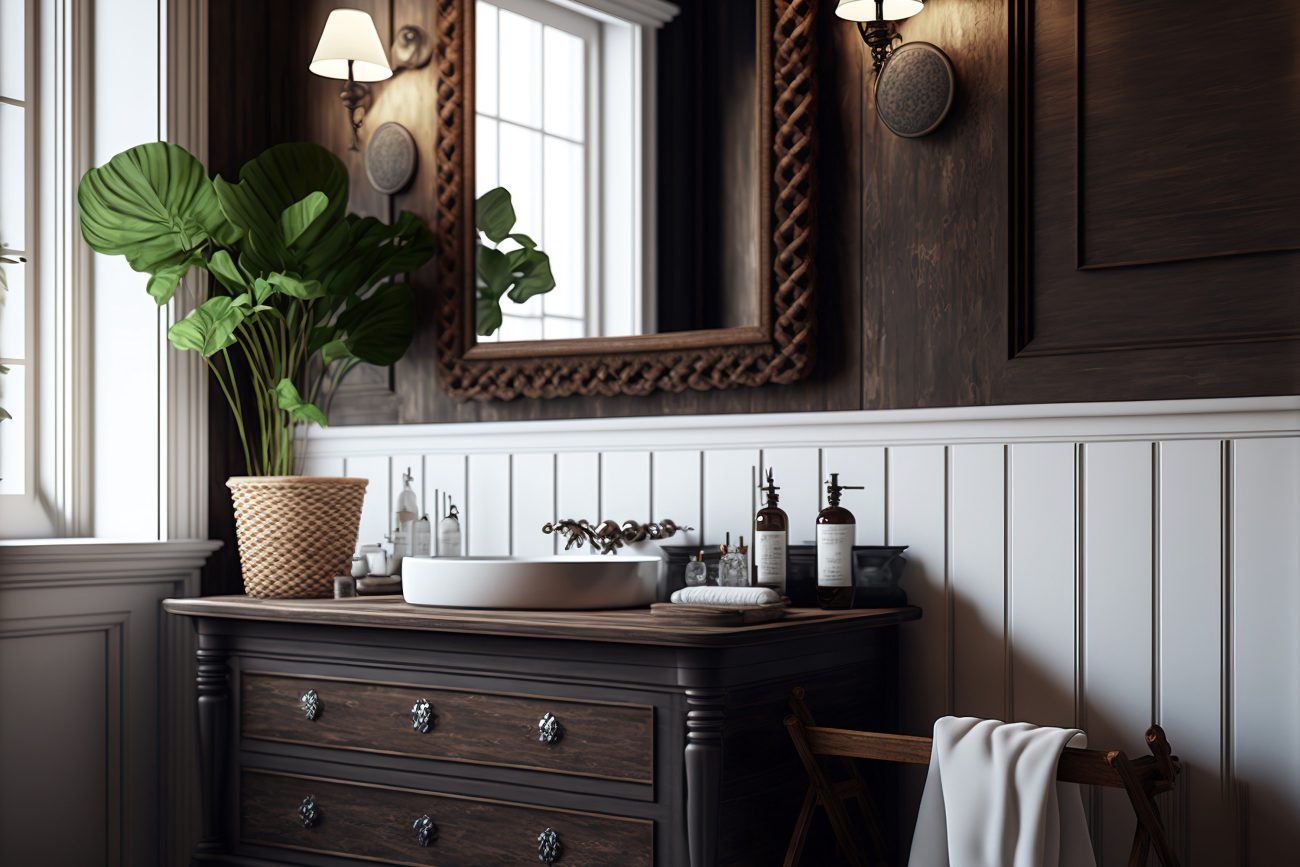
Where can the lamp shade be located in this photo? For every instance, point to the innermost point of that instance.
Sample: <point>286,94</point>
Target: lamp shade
<point>865,10</point>
<point>350,34</point>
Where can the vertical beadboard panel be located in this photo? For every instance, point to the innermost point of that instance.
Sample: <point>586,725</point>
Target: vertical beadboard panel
<point>675,491</point>
<point>625,486</point>
<point>1265,602</point>
<point>861,465</point>
<point>577,486</point>
<point>1118,631</point>
<point>444,476</point>
<point>977,570</point>
<point>729,496</point>
<point>918,518</point>
<point>486,524</point>
<point>1191,642</point>
<point>532,504</point>
<point>374,514</point>
<point>798,472</point>
<point>1041,589</point>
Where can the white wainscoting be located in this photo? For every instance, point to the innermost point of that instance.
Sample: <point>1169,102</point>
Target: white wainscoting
<point>1099,565</point>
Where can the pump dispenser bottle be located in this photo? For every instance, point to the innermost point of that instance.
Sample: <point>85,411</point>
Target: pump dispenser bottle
<point>836,527</point>
<point>771,539</point>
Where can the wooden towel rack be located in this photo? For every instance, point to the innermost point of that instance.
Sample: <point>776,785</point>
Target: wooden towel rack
<point>1142,778</point>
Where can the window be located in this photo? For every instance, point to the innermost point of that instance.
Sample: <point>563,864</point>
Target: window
<point>536,67</point>
<point>17,239</point>
<point>564,115</point>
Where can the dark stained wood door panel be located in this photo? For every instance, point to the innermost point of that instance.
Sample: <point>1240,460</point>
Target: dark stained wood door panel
<point>603,740</point>
<point>1161,193</point>
<point>375,823</point>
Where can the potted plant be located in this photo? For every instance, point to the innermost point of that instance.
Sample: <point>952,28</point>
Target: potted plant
<point>300,293</point>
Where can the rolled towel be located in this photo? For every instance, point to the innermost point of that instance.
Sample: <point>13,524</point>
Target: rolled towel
<point>726,596</point>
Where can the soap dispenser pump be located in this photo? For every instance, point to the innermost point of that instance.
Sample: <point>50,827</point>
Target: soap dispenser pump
<point>836,528</point>
<point>771,540</point>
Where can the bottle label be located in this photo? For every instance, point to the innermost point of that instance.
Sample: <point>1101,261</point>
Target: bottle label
<point>448,538</point>
<point>835,555</point>
<point>769,557</point>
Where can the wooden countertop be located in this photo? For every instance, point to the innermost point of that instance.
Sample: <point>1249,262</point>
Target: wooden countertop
<point>632,626</point>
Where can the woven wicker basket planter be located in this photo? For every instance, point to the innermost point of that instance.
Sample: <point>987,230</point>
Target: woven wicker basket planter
<point>296,533</point>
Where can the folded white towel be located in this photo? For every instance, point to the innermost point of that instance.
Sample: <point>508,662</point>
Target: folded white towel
<point>992,800</point>
<point>726,596</point>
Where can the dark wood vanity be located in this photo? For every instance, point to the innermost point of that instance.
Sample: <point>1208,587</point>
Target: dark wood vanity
<point>372,730</point>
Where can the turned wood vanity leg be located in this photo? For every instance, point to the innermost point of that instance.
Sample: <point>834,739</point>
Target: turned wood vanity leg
<point>214,745</point>
<point>704,717</point>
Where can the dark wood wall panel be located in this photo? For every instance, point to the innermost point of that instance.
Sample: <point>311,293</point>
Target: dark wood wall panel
<point>941,282</point>
<point>1165,194</point>
<point>1186,152</point>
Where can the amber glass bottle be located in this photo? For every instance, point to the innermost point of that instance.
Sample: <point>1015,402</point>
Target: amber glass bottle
<point>771,539</point>
<point>836,527</point>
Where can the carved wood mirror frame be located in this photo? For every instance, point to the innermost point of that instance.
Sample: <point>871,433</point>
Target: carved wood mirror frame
<point>778,350</point>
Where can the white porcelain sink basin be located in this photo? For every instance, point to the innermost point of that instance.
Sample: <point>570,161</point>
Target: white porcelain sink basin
<point>577,582</point>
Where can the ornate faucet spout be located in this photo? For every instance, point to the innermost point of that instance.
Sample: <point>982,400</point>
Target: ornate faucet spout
<point>608,536</point>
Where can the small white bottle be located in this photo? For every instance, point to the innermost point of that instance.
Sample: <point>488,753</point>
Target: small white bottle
<point>449,540</point>
<point>422,538</point>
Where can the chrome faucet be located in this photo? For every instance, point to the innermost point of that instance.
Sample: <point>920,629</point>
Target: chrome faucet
<point>608,536</point>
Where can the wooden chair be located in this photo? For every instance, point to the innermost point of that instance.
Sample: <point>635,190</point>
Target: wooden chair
<point>1142,778</point>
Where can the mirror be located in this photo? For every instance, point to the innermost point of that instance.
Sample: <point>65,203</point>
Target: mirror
<point>657,225</point>
<point>618,170</point>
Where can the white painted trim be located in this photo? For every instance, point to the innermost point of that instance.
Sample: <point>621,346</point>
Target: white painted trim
<point>183,512</point>
<point>1067,422</point>
<point>60,561</point>
<point>646,13</point>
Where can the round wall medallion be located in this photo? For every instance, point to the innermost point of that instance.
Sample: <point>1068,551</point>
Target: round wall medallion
<point>914,89</point>
<point>390,158</point>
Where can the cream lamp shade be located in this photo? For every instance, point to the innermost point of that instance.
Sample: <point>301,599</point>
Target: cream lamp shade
<point>865,10</point>
<point>350,35</point>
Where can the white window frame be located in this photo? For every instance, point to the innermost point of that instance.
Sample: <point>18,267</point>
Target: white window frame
<point>620,228</point>
<point>578,23</point>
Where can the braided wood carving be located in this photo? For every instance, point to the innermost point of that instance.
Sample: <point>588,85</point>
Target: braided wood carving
<point>783,353</point>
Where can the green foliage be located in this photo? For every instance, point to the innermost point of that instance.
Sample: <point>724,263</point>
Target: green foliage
<point>518,272</point>
<point>302,289</point>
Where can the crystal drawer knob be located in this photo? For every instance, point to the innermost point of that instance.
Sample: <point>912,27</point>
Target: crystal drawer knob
<point>549,847</point>
<point>549,730</point>
<point>426,832</point>
<point>422,716</point>
<point>310,704</point>
<point>308,812</point>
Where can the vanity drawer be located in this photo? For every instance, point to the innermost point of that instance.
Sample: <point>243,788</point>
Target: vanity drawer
<point>590,739</point>
<point>378,823</point>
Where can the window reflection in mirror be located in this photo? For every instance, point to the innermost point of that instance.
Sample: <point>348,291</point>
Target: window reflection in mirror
<point>617,161</point>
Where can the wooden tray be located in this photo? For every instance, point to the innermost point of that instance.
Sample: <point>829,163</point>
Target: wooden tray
<point>720,615</point>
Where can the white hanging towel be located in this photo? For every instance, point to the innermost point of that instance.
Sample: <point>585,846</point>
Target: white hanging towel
<point>992,799</point>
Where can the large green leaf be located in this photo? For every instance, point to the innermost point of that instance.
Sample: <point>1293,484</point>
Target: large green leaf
<point>494,214</point>
<point>162,285</point>
<point>152,204</point>
<point>295,287</point>
<point>210,327</point>
<point>289,400</point>
<point>296,219</point>
<point>227,272</point>
<point>531,271</point>
<point>279,178</point>
<point>378,329</point>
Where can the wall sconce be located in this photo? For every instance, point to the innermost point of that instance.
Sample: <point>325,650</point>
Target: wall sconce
<point>915,81</point>
<point>350,49</point>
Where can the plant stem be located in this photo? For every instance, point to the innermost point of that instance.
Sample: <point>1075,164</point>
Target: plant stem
<point>234,408</point>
